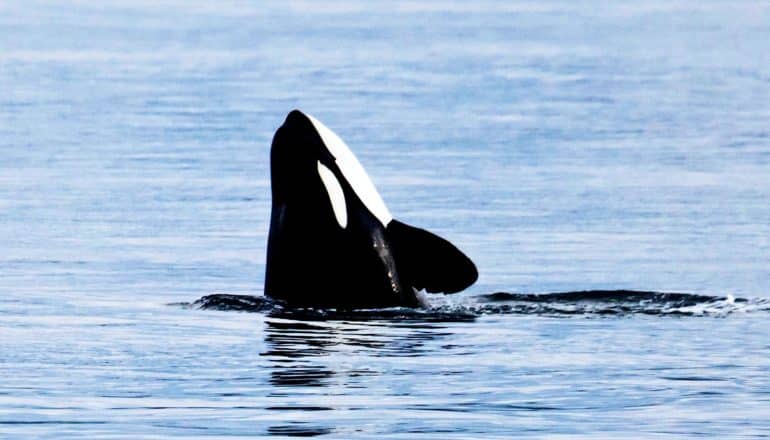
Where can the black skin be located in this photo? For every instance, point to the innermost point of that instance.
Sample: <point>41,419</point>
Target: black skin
<point>314,262</point>
<point>311,260</point>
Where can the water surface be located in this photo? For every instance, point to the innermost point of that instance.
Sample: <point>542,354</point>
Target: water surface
<point>565,146</point>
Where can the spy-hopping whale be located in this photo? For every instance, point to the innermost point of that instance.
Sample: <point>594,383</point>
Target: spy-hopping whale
<point>333,243</point>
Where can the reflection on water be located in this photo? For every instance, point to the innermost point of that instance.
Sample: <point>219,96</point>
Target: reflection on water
<point>298,430</point>
<point>291,347</point>
<point>299,352</point>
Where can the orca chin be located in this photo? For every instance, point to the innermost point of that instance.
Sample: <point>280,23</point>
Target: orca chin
<point>333,242</point>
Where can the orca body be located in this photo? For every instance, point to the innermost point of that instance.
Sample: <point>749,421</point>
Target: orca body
<point>333,243</point>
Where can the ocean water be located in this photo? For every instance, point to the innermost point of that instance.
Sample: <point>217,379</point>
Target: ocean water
<point>564,146</point>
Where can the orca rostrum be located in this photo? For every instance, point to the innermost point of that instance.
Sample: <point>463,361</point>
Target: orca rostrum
<point>333,243</point>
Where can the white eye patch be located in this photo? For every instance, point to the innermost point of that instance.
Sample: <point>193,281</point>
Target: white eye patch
<point>352,170</point>
<point>336,196</point>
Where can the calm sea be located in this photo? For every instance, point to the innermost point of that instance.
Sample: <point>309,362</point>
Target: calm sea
<point>564,145</point>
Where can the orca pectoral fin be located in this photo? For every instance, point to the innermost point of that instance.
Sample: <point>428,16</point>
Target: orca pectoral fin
<point>428,261</point>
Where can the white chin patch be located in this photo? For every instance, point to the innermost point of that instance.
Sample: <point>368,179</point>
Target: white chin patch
<point>336,196</point>
<point>352,171</point>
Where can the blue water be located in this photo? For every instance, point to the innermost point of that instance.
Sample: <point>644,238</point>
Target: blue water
<point>564,146</point>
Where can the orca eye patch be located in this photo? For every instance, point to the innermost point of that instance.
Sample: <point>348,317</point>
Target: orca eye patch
<point>335,193</point>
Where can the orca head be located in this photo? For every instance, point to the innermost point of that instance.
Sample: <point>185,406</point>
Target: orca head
<point>333,242</point>
<point>305,154</point>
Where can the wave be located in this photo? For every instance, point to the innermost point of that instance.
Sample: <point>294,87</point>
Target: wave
<point>588,303</point>
<point>618,303</point>
<point>277,308</point>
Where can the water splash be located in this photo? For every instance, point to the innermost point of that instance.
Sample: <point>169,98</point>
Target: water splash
<point>590,303</point>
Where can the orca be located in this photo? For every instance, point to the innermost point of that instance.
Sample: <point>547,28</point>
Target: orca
<point>333,243</point>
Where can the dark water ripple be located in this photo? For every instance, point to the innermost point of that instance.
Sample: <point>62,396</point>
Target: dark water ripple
<point>579,303</point>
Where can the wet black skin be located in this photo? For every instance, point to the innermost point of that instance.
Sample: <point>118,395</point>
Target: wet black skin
<point>311,260</point>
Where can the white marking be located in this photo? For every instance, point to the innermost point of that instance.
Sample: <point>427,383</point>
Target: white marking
<point>353,171</point>
<point>336,195</point>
